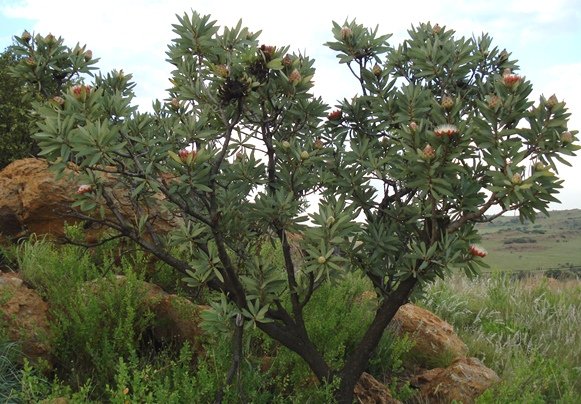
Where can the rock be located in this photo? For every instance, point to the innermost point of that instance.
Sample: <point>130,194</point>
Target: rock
<point>24,318</point>
<point>176,319</point>
<point>434,339</point>
<point>31,200</point>
<point>370,391</point>
<point>463,381</point>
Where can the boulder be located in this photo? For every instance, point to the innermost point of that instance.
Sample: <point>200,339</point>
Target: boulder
<point>176,320</point>
<point>463,381</point>
<point>434,339</point>
<point>24,318</point>
<point>369,390</point>
<point>31,200</point>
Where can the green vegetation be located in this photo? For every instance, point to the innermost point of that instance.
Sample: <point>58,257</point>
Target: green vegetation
<point>526,330</point>
<point>549,242</point>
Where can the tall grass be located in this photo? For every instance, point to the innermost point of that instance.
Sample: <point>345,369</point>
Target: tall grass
<point>528,331</point>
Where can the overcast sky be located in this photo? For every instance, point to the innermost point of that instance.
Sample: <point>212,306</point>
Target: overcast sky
<point>545,36</point>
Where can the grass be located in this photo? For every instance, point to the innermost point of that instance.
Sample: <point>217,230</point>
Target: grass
<point>527,331</point>
<point>549,242</point>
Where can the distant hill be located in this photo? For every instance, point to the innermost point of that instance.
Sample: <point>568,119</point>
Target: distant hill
<point>549,242</point>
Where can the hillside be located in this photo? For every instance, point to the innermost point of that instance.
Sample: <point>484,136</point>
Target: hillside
<point>549,242</point>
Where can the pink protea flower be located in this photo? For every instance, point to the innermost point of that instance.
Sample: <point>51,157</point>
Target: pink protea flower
<point>184,154</point>
<point>477,251</point>
<point>428,153</point>
<point>446,130</point>
<point>510,79</point>
<point>83,189</point>
<point>335,115</point>
<point>80,91</point>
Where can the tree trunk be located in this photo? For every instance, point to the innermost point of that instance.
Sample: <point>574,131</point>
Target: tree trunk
<point>359,358</point>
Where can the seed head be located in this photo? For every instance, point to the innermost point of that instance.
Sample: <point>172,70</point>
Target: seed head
<point>447,102</point>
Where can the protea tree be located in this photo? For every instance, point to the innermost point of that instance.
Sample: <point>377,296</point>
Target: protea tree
<point>442,135</point>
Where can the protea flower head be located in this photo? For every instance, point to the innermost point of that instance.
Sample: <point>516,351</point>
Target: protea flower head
<point>477,251</point>
<point>88,55</point>
<point>376,70</point>
<point>222,71</point>
<point>437,29</point>
<point>295,77</point>
<point>26,36</point>
<point>551,101</point>
<point>566,137</point>
<point>494,101</point>
<point>287,61</point>
<point>446,130</point>
<point>305,155</point>
<point>83,189</point>
<point>428,153</point>
<point>321,260</point>
<point>184,154</point>
<point>80,91</point>
<point>58,101</point>
<point>335,115</point>
<point>318,144</point>
<point>413,126</point>
<point>516,179</point>
<point>346,32</point>
<point>510,79</point>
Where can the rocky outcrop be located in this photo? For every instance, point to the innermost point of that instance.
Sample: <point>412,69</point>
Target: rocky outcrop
<point>463,381</point>
<point>32,200</point>
<point>24,318</point>
<point>434,339</point>
<point>369,390</point>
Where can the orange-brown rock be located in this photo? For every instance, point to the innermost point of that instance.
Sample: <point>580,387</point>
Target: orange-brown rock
<point>369,390</point>
<point>463,381</point>
<point>24,318</point>
<point>434,339</point>
<point>176,319</point>
<point>31,200</point>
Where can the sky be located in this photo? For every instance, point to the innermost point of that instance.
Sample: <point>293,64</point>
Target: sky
<point>545,36</point>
